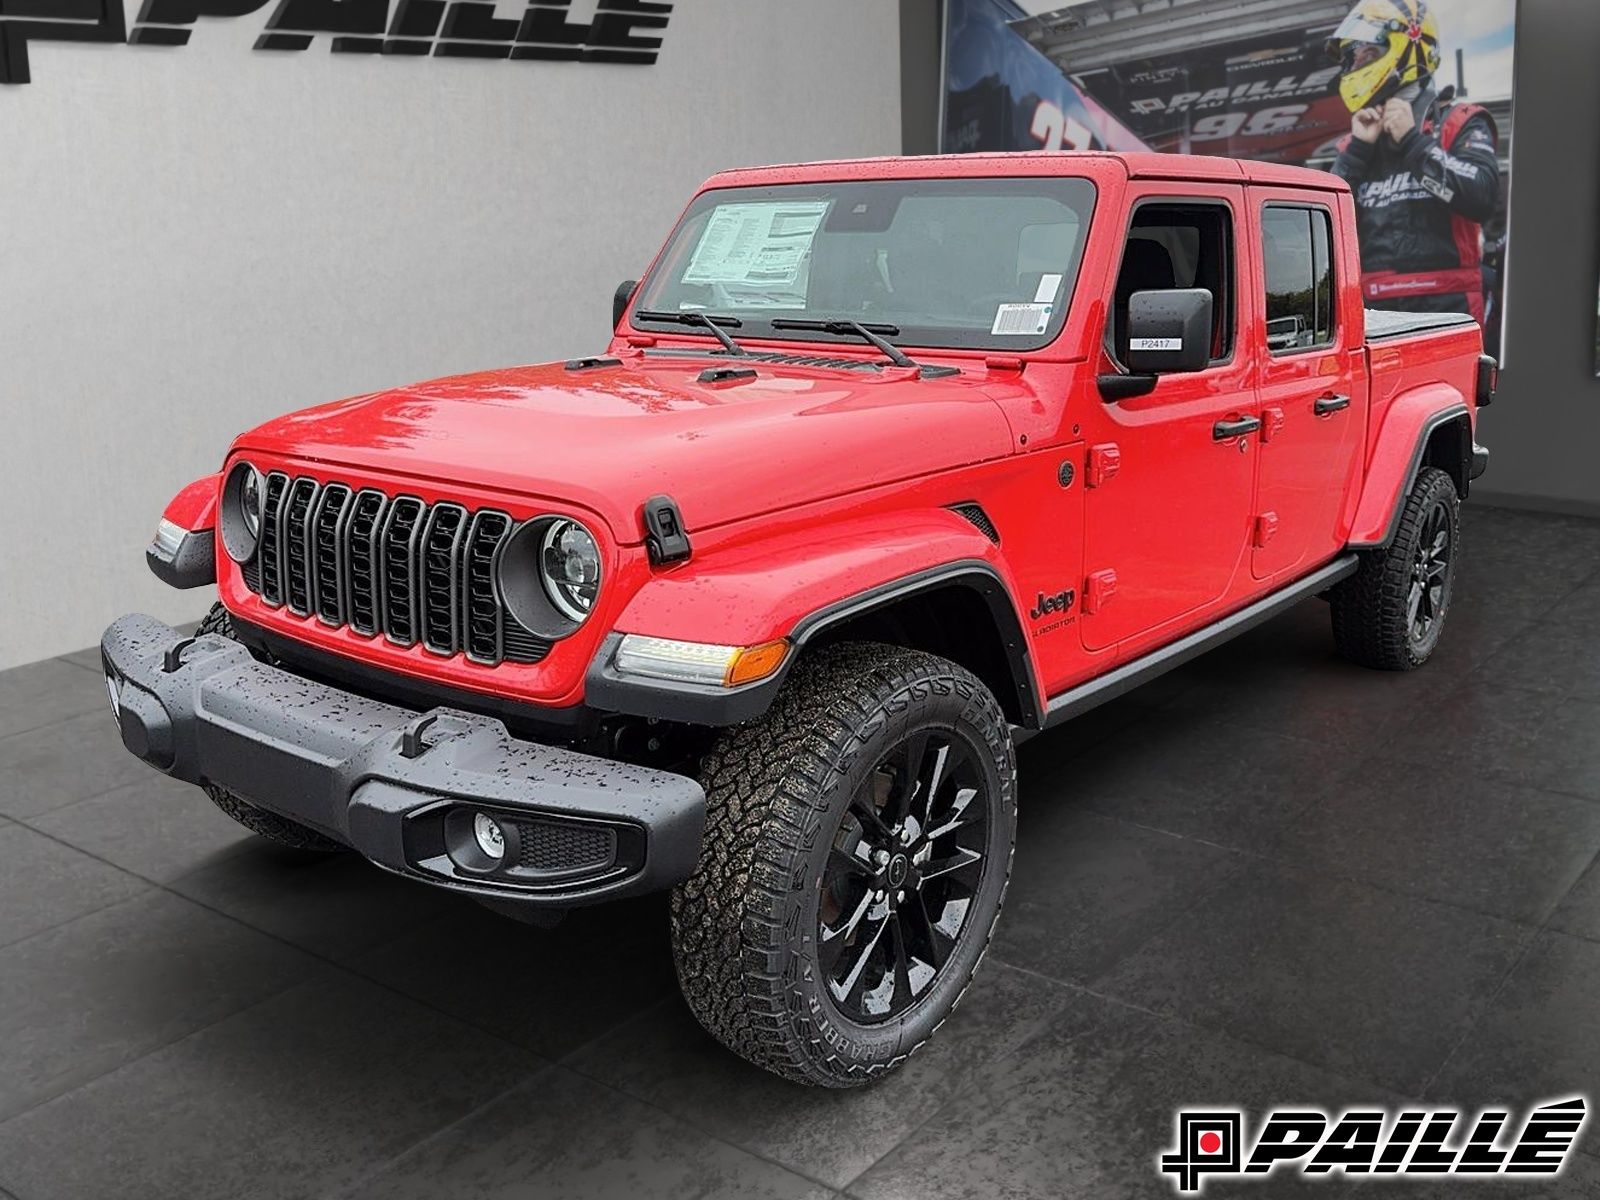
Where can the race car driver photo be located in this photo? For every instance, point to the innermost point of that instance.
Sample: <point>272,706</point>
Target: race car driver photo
<point>1423,166</point>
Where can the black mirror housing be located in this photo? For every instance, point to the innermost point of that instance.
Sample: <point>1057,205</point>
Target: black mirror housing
<point>1169,331</point>
<point>623,298</point>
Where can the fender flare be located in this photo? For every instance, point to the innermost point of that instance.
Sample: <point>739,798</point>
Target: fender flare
<point>195,507</point>
<point>1413,418</point>
<point>189,560</point>
<point>953,554</point>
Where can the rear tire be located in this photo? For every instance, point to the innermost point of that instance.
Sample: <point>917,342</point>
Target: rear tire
<point>856,853</point>
<point>258,820</point>
<point>1390,614</point>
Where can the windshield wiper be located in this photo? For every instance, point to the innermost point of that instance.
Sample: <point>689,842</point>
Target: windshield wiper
<point>704,321</point>
<point>876,334</point>
<point>868,333</point>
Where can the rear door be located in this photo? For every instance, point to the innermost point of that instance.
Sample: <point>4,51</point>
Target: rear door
<point>1170,474</point>
<point>1313,385</point>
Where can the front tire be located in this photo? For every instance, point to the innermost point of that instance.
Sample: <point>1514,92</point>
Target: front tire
<point>259,821</point>
<point>1390,614</point>
<point>856,853</point>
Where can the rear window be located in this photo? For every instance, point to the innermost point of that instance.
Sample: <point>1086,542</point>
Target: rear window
<point>1297,254</point>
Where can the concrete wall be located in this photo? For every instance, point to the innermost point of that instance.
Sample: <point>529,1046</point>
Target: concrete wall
<point>1544,432</point>
<point>198,238</point>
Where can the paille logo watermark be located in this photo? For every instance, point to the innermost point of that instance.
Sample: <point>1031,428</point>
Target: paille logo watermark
<point>621,31</point>
<point>1211,1143</point>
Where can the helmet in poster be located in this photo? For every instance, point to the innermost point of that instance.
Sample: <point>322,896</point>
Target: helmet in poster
<point>1382,46</point>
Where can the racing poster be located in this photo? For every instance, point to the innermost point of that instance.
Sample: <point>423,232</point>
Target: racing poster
<point>1422,87</point>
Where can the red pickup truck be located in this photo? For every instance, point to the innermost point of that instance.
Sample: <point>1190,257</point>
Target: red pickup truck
<point>887,465</point>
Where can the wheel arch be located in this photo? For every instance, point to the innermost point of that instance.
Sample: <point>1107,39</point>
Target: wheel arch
<point>1426,427</point>
<point>962,612</point>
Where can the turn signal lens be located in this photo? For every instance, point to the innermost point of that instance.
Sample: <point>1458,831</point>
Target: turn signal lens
<point>756,663</point>
<point>698,662</point>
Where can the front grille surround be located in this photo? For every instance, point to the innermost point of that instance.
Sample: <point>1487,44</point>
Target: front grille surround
<point>387,566</point>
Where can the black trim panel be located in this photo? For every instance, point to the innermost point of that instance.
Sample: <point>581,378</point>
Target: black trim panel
<point>192,565</point>
<point>1076,701</point>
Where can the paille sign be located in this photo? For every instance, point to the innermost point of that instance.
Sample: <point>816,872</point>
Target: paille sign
<point>621,31</point>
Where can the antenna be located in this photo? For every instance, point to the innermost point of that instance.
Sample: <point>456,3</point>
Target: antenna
<point>1461,73</point>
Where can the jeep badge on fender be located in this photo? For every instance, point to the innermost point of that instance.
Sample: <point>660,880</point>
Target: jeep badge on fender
<point>752,603</point>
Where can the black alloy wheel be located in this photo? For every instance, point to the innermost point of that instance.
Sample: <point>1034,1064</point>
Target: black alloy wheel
<point>1430,574</point>
<point>906,866</point>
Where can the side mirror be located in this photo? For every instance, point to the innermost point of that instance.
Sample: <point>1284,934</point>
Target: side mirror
<point>1169,331</point>
<point>620,301</point>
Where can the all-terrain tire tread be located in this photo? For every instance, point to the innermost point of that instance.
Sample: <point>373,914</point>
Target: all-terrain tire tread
<point>1369,608</point>
<point>767,799</point>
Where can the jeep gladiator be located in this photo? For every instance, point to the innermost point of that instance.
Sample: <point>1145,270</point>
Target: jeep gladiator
<point>887,465</point>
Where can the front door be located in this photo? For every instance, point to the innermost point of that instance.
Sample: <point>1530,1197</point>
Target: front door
<point>1313,390</point>
<point>1168,527</point>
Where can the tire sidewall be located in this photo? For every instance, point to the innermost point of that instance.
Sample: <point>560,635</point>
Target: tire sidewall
<point>946,703</point>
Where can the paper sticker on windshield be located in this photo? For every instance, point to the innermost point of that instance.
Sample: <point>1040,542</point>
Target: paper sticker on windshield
<point>757,245</point>
<point>1049,285</point>
<point>1021,320</point>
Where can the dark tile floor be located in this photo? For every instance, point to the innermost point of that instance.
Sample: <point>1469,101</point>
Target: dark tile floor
<point>1271,878</point>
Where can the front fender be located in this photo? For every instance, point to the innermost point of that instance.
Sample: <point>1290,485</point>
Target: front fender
<point>793,585</point>
<point>195,507</point>
<point>184,552</point>
<point>1396,457</point>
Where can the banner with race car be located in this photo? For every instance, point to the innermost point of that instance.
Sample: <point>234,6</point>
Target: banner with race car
<point>1409,100</point>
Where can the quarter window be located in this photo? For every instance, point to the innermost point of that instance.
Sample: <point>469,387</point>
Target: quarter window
<point>1296,250</point>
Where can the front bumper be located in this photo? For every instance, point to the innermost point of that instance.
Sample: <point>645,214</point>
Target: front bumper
<point>400,786</point>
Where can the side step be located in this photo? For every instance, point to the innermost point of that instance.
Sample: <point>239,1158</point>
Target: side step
<point>1079,700</point>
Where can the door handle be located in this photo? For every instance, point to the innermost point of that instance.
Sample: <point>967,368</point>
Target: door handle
<point>1331,403</point>
<point>1224,431</point>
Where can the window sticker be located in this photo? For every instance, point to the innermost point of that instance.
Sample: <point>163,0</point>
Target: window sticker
<point>1021,320</point>
<point>1049,285</point>
<point>756,245</point>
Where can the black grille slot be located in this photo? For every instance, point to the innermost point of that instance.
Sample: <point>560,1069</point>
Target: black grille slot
<point>327,552</point>
<point>441,545</point>
<point>549,846</point>
<point>521,646</point>
<point>361,557</point>
<point>973,512</point>
<point>298,584</point>
<point>481,604</point>
<point>269,550</point>
<point>402,530</point>
<point>402,568</point>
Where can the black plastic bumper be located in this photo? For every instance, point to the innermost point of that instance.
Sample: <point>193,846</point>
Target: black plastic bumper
<point>1480,461</point>
<point>398,786</point>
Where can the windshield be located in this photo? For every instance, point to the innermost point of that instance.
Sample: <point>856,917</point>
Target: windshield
<point>959,263</point>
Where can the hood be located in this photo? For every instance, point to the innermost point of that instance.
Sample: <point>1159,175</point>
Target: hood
<point>609,437</point>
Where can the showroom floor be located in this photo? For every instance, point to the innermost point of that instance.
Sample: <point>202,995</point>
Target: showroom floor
<point>1270,878</point>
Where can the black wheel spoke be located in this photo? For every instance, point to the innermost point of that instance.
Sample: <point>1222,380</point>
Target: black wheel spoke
<point>927,943</point>
<point>905,865</point>
<point>964,866</point>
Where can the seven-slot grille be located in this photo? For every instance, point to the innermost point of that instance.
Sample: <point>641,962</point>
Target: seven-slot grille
<point>391,566</point>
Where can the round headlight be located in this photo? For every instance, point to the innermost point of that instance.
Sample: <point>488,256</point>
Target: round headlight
<point>250,497</point>
<point>569,561</point>
<point>239,512</point>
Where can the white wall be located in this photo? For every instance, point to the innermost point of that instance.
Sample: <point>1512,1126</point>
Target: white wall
<point>194,239</point>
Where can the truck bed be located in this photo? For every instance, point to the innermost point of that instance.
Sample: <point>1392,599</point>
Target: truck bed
<point>1382,324</point>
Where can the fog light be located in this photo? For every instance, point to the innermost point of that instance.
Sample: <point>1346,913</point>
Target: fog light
<point>490,837</point>
<point>116,701</point>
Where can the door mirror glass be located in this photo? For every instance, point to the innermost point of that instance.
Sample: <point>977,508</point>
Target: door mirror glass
<point>1169,331</point>
<point>620,301</point>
